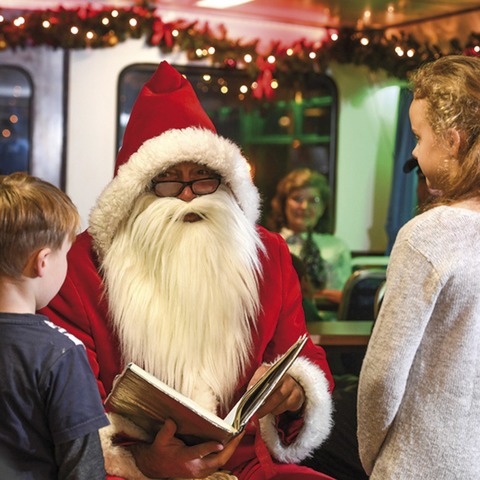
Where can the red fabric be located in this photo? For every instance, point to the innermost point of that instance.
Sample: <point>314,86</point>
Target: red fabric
<point>80,308</point>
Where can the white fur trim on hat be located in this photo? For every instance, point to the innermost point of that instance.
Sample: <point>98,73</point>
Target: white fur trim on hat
<point>160,153</point>
<point>317,416</point>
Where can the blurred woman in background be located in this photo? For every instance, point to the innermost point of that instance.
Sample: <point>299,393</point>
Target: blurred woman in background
<point>300,214</point>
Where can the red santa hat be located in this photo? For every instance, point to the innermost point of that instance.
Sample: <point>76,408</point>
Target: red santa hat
<point>168,126</point>
<point>166,101</point>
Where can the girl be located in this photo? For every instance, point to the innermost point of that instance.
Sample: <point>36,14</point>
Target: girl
<point>419,391</point>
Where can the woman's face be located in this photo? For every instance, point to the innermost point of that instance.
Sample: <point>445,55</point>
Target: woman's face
<point>303,209</point>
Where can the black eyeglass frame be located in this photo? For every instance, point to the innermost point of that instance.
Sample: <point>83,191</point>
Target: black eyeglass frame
<point>184,185</point>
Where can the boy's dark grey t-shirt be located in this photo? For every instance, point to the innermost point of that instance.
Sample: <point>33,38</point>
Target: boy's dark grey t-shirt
<point>48,396</point>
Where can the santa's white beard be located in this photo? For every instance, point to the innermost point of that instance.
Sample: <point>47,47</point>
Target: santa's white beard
<point>184,296</point>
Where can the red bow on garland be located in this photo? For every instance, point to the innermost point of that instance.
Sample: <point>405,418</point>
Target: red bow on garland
<point>264,80</point>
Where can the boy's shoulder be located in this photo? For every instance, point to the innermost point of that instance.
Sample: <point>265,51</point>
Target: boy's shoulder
<point>37,328</point>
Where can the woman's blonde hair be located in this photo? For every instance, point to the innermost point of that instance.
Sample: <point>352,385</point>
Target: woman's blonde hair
<point>300,178</point>
<point>450,87</point>
<point>34,214</point>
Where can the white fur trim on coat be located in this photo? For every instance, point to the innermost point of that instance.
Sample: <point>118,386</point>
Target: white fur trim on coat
<point>317,415</point>
<point>160,153</point>
<point>118,460</point>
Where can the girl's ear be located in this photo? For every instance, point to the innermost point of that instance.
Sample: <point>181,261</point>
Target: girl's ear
<point>454,139</point>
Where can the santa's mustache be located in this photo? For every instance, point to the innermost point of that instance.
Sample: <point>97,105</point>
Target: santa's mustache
<point>203,206</point>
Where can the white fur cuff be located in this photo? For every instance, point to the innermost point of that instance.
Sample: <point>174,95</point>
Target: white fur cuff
<point>118,460</point>
<point>317,415</point>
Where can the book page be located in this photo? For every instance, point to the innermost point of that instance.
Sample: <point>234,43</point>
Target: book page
<point>253,399</point>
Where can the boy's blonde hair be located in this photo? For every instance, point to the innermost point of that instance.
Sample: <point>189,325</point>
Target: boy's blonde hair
<point>34,214</point>
<point>450,87</point>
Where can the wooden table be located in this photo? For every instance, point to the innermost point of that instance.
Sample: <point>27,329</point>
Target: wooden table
<point>340,333</point>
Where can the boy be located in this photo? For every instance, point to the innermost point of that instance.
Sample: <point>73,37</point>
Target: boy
<point>51,408</point>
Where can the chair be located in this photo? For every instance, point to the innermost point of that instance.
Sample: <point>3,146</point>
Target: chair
<point>359,294</point>
<point>379,299</point>
<point>370,261</point>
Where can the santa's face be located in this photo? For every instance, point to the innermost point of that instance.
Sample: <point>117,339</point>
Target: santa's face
<point>186,181</point>
<point>183,295</point>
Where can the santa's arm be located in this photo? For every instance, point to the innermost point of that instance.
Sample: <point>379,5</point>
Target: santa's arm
<point>292,439</point>
<point>289,439</point>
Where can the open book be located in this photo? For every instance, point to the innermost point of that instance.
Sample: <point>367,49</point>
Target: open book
<point>147,402</point>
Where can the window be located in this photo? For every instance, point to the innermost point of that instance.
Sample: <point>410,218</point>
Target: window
<point>296,129</point>
<point>15,120</point>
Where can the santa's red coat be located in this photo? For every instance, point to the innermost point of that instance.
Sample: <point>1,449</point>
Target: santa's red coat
<point>81,308</point>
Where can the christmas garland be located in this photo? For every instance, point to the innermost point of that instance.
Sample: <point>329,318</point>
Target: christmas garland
<point>286,65</point>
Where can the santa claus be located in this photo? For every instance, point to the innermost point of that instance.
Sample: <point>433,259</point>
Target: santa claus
<point>174,274</point>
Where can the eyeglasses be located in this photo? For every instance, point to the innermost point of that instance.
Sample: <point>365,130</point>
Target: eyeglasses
<point>202,186</point>
<point>310,200</point>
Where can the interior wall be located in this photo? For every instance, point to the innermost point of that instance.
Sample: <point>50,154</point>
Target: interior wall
<point>367,128</point>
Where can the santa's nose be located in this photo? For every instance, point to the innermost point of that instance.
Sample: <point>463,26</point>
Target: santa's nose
<point>187,194</point>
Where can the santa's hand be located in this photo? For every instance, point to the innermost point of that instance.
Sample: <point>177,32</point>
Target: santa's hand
<point>168,456</point>
<point>288,395</point>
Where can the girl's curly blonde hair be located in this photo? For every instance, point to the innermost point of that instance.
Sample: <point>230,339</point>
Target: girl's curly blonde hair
<point>450,87</point>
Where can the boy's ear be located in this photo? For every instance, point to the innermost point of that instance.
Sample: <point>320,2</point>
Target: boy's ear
<point>37,263</point>
<point>454,139</point>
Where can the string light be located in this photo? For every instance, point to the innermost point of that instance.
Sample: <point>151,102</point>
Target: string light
<point>106,27</point>
<point>18,22</point>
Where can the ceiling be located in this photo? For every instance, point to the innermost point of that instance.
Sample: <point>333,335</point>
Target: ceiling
<point>358,14</point>
<point>339,13</point>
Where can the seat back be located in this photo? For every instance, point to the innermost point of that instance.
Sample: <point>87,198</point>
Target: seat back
<point>359,293</point>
